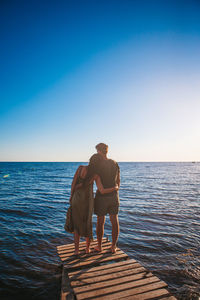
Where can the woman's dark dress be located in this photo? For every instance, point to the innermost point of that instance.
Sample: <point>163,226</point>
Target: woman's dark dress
<point>82,209</point>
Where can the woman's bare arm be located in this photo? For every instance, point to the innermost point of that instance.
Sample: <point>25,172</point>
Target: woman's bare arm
<point>101,188</point>
<point>74,182</point>
<point>118,178</point>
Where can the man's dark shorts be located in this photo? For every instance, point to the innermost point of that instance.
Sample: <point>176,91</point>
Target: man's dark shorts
<point>104,205</point>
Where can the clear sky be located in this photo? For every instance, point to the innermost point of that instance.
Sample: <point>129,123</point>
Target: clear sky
<point>76,73</point>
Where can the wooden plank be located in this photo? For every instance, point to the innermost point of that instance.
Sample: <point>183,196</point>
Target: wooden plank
<point>94,256</point>
<point>149,295</point>
<point>112,266</point>
<point>105,245</point>
<point>111,279</point>
<point>115,273</point>
<point>113,284</point>
<point>68,254</point>
<point>123,290</point>
<point>66,296</point>
<point>106,248</point>
<point>87,257</point>
<point>91,255</point>
<point>98,289</point>
<point>96,261</point>
<point>81,244</point>
<point>66,289</point>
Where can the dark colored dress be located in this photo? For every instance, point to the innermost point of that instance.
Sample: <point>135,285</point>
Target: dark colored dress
<point>82,209</point>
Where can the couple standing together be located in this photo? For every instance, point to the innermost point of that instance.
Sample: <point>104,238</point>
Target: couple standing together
<point>105,172</point>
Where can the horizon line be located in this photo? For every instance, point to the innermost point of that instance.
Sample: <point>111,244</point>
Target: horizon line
<point>76,161</point>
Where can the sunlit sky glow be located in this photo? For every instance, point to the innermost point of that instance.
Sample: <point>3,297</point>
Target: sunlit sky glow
<point>75,73</point>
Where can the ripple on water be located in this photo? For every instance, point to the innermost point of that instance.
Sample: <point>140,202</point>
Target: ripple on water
<point>159,224</point>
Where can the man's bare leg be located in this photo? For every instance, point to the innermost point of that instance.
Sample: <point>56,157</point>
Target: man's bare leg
<point>115,231</point>
<point>100,231</point>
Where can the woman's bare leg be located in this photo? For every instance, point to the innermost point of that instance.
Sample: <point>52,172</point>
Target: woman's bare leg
<point>76,242</point>
<point>87,250</point>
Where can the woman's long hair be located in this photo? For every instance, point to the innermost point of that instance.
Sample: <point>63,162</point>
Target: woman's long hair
<point>93,168</point>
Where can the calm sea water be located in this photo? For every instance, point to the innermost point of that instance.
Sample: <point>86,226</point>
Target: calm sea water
<point>159,224</point>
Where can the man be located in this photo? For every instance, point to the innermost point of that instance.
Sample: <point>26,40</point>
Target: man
<point>109,173</point>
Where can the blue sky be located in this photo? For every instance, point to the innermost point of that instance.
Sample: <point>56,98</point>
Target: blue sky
<point>75,73</point>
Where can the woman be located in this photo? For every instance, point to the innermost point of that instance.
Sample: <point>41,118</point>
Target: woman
<point>81,200</point>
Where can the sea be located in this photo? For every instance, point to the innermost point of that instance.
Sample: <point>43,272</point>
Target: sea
<point>159,224</point>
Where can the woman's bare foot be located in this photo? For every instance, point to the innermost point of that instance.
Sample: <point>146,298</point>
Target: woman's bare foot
<point>87,250</point>
<point>97,249</point>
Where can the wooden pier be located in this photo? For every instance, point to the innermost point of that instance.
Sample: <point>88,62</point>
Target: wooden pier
<point>107,276</point>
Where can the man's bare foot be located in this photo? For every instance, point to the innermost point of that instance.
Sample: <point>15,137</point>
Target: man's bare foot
<point>113,249</point>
